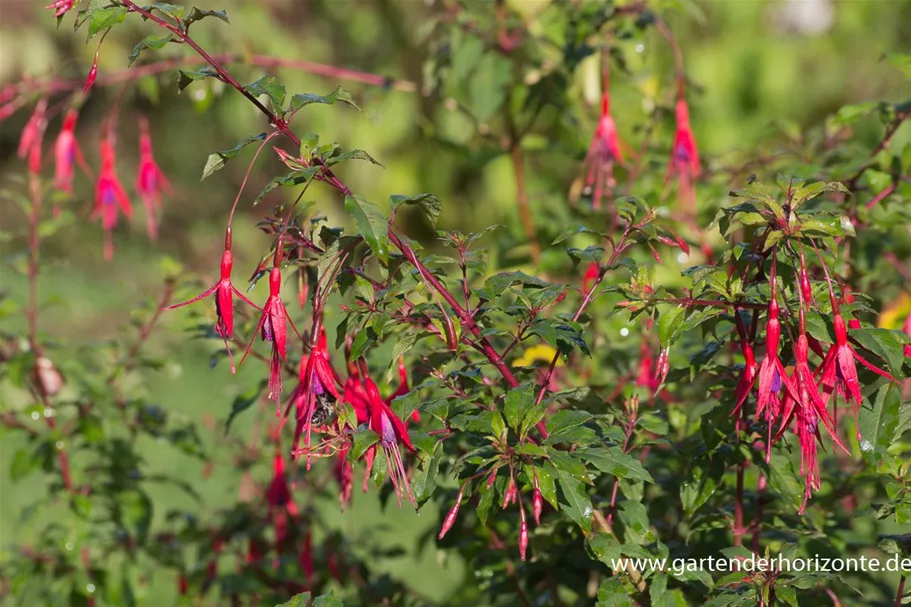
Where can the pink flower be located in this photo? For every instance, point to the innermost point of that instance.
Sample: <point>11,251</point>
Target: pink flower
<point>603,151</point>
<point>150,181</point>
<point>391,431</point>
<point>61,7</point>
<point>272,328</point>
<point>224,298</point>
<point>281,504</point>
<point>109,195</point>
<point>684,161</point>
<point>31,137</point>
<point>66,150</point>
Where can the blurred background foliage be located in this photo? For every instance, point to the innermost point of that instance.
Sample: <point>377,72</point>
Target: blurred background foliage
<point>756,70</point>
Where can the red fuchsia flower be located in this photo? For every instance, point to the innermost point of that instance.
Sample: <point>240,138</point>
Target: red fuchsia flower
<point>281,504</point>
<point>772,375</point>
<point>356,396</point>
<point>317,392</point>
<point>344,476</point>
<point>391,431</point>
<point>109,195</point>
<point>684,161</point>
<point>66,150</point>
<point>907,329</point>
<point>93,72</point>
<point>838,369</point>
<point>61,7</point>
<point>853,323</point>
<point>603,151</point>
<point>150,181</point>
<point>32,134</point>
<point>272,328</point>
<point>224,298</point>
<point>591,275</point>
<point>807,432</point>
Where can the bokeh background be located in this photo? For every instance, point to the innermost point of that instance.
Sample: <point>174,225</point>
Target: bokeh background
<point>754,68</point>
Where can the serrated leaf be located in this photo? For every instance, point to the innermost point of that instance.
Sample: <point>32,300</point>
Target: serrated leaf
<point>197,14</point>
<point>877,422</point>
<point>101,19</point>
<point>217,161</point>
<point>186,77</point>
<point>271,87</point>
<point>152,42</point>
<point>339,94</point>
<point>298,600</point>
<point>517,403</point>
<point>429,204</point>
<point>371,225</point>
<point>362,441</point>
<point>352,155</point>
<point>576,502</point>
<point>614,461</point>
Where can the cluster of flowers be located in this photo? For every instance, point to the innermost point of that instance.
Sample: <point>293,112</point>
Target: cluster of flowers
<point>319,387</point>
<point>110,196</point>
<point>799,399</point>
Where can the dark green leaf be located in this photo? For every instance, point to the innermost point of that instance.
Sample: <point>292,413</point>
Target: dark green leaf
<point>196,14</point>
<point>429,204</point>
<point>518,402</point>
<point>339,94</point>
<point>217,160</point>
<point>244,401</point>
<point>149,42</point>
<point>576,503</point>
<point>102,19</point>
<point>362,441</point>
<point>877,422</point>
<point>371,224</point>
<point>271,87</point>
<point>614,461</point>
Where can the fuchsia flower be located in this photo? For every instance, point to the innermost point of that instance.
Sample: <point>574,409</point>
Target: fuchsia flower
<point>32,134</point>
<point>591,275</point>
<point>603,151</point>
<point>109,195</point>
<point>272,328</point>
<point>772,375</point>
<point>316,393</point>
<point>61,7</point>
<point>402,390</point>
<point>684,161</point>
<point>150,181</point>
<point>66,150</point>
<point>224,298</point>
<point>391,431</point>
<point>839,372</point>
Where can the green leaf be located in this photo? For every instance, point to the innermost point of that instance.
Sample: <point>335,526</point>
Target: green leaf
<point>577,505</point>
<point>669,325</point>
<point>701,483</point>
<point>488,85</point>
<point>613,593</point>
<point>902,61</point>
<point>339,94</point>
<point>244,401</point>
<point>197,14</point>
<point>23,464</point>
<point>809,192</point>
<point>518,402</point>
<point>887,344</point>
<point>362,441</point>
<point>877,422</point>
<point>291,180</point>
<point>149,42</point>
<point>299,600</point>
<point>429,204</point>
<point>565,419</point>
<point>186,77</point>
<point>614,461</point>
<point>327,600</point>
<point>371,224</point>
<point>271,87</point>
<point>217,161</point>
<point>102,19</point>
<point>134,510</point>
<point>352,155</point>
<point>173,11</point>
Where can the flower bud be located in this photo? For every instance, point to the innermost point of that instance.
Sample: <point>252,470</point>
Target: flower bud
<point>93,73</point>
<point>450,519</point>
<point>537,503</point>
<point>523,534</point>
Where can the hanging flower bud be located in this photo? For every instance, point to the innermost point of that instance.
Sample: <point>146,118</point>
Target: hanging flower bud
<point>451,516</point>
<point>523,534</point>
<point>61,7</point>
<point>603,152</point>
<point>591,275</point>
<point>93,73</point>
<point>32,134</point>
<point>537,503</point>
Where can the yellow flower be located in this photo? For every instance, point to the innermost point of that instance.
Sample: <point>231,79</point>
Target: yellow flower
<point>540,353</point>
<point>894,314</point>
